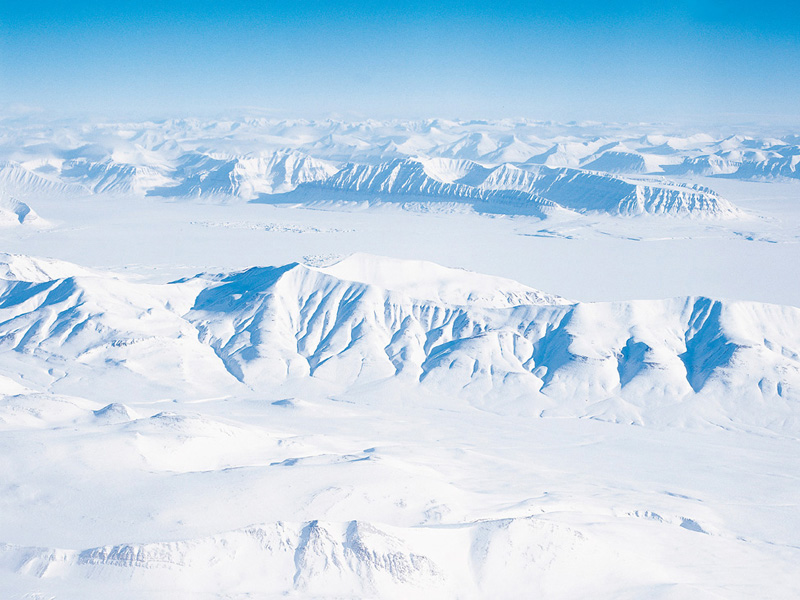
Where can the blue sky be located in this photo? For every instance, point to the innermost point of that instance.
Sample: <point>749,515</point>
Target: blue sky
<point>617,60</point>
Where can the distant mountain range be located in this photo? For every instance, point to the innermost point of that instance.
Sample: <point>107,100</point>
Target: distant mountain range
<point>516,167</point>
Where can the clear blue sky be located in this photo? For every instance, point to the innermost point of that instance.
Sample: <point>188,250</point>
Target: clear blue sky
<point>614,60</point>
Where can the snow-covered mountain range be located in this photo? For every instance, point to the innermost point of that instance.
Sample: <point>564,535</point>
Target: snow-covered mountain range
<point>621,170</point>
<point>371,321</point>
<point>510,189</point>
<point>177,423</point>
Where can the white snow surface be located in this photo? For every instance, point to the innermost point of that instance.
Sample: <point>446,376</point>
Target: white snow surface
<point>263,358</point>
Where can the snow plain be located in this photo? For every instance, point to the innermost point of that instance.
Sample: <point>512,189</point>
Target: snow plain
<point>365,415</point>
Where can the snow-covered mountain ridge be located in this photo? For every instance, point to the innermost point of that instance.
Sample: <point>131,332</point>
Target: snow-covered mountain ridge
<point>515,190</point>
<point>14,212</point>
<point>365,321</point>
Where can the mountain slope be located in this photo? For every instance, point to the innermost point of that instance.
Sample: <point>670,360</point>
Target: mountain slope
<point>246,177</point>
<point>393,429</point>
<point>582,191</point>
<point>342,559</point>
<point>129,339</point>
<point>113,177</point>
<point>414,180</point>
<point>19,182</point>
<point>14,212</point>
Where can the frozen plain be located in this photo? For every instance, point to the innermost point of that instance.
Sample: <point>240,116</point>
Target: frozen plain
<point>169,440</point>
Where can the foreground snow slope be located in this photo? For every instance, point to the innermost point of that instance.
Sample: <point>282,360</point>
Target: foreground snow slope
<point>374,429</point>
<point>329,499</point>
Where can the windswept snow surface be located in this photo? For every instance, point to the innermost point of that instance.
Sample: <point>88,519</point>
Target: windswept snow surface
<point>264,358</point>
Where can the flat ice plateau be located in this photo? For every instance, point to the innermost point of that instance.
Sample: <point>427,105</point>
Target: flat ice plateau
<point>257,359</point>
